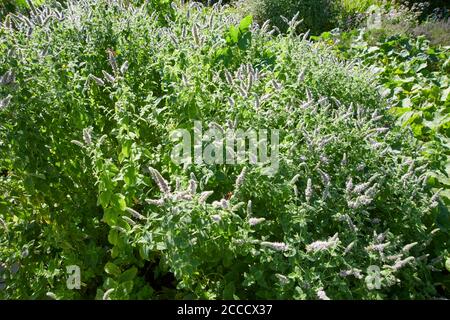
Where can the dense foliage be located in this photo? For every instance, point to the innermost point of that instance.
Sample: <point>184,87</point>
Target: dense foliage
<point>90,97</point>
<point>7,6</point>
<point>10,6</point>
<point>414,77</point>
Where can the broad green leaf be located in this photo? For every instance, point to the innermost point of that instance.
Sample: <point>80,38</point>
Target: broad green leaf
<point>128,275</point>
<point>112,269</point>
<point>245,24</point>
<point>118,202</point>
<point>104,198</point>
<point>113,237</point>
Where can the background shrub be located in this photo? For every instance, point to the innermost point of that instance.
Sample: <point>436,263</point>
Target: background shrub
<point>437,31</point>
<point>317,15</point>
<point>385,19</point>
<point>429,7</point>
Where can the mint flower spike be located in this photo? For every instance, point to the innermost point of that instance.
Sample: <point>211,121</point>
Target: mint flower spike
<point>204,196</point>
<point>112,60</point>
<point>128,220</point>
<point>277,246</point>
<point>177,184</point>
<point>401,263</point>
<point>108,77</point>
<point>78,143</point>
<point>349,185</point>
<point>255,221</point>
<point>249,208</point>
<point>349,247</point>
<point>195,35</point>
<point>225,204</point>
<point>135,214</point>
<point>308,190</point>
<point>231,102</point>
<point>325,177</point>
<point>351,272</point>
<point>192,186</point>
<point>295,179</point>
<point>155,202</point>
<point>322,295</point>
<point>51,295</point>
<point>228,77</point>
<point>360,188</point>
<point>240,179</point>
<point>87,136</point>
<point>5,102</point>
<point>282,279</point>
<point>265,26</point>
<point>409,246</point>
<point>323,245</point>
<point>107,294</point>
<point>7,78</point>
<point>3,224</point>
<point>434,201</point>
<point>377,247</point>
<point>160,181</point>
<point>97,80</point>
